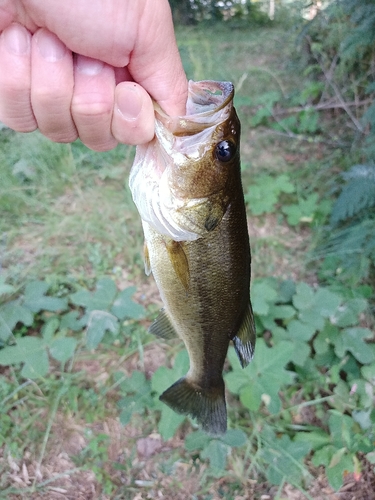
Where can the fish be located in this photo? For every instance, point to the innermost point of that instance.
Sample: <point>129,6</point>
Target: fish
<point>186,184</point>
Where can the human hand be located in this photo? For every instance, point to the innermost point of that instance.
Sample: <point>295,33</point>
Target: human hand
<point>88,69</point>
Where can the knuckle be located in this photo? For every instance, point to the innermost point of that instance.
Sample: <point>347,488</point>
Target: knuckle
<point>84,110</point>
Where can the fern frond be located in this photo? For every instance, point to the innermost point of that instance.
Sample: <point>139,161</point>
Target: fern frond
<point>359,238</point>
<point>357,195</point>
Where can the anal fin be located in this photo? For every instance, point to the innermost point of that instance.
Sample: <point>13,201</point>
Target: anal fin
<point>162,327</point>
<point>244,340</point>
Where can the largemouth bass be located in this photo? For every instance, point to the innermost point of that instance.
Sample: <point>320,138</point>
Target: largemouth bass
<point>186,184</point>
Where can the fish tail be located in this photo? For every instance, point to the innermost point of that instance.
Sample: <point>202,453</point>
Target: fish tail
<point>206,405</point>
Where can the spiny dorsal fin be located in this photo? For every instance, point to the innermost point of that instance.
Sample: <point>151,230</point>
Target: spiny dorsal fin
<point>162,327</point>
<point>179,262</point>
<point>244,340</point>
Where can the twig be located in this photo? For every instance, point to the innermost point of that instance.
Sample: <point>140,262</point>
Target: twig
<point>322,106</point>
<point>328,76</point>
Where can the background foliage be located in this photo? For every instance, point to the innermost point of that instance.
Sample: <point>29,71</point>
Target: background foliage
<point>80,375</point>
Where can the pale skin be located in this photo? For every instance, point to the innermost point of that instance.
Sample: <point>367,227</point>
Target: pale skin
<point>88,69</point>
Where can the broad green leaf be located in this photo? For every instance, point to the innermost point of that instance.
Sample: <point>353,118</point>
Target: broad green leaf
<point>128,406</point>
<point>335,473</point>
<point>285,459</point>
<point>264,376</point>
<point>363,418</point>
<point>341,429</point>
<point>169,422</point>
<point>136,383</point>
<point>323,456</point>
<point>36,289</point>
<point>301,352</point>
<point>312,317</point>
<point>371,457</point>
<point>164,377</point>
<point>286,291</point>
<point>235,379</point>
<point>365,392</point>
<point>281,312</point>
<point>304,297</point>
<point>196,440</point>
<point>5,289</point>
<point>21,351</point>
<point>327,302</point>
<point>347,314</point>
<point>71,321</point>
<point>98,324</point>
<point>325,338</point>
<point>45,303</point>
<point>36,365</point>
<point>303,211</point>
<point>369,373</point>
<point>63,348</point>
<point>49,329</point>
<point>36,299</point>
<point>137,392</point>
<point>101,299</point>
<point>234,438</point>
<point>260,199</point>
<point>251,397</point>
<point>262,295</point>
<point>125,307</point>
<point>352,340</point>
<point>216,452</point>
<point>298,330</point>
<point>11,314</point>
<point>317,439</point>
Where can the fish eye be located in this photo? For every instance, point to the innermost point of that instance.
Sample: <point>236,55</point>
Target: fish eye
<point>225,150</point>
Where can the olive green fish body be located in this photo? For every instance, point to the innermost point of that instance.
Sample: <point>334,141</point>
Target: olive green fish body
<point>197,247</point>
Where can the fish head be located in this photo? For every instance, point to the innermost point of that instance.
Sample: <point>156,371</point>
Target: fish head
<point>200,149</point>
<point>181,181</point>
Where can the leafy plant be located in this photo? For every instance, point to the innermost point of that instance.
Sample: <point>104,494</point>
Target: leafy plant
<point>102,311</point>
<point>215,450</point>
<point>264,194</point>
<point>350,236</point>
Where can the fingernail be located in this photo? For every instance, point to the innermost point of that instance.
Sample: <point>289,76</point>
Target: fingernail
<point>88,66</point>
<point>50,47</point>
<point>129,103</point>
<point>17,39</point>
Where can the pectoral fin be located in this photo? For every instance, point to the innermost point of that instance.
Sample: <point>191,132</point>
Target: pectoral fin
<point>179,262</point>
<point>146,258</point>
<point>244,340</point>
<point>162,327</point>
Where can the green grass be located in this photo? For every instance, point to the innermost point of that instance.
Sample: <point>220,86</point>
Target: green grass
<point>92,421</point>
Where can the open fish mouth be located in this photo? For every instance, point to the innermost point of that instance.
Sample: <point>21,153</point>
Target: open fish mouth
<point>177,140</point>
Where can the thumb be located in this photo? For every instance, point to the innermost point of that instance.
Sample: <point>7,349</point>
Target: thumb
<point>155,62</point>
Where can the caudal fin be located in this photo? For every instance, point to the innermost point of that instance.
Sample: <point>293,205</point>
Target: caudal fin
<point>207,406</point>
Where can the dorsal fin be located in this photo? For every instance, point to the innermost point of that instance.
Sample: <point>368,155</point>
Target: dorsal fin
<point>244,340</point>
